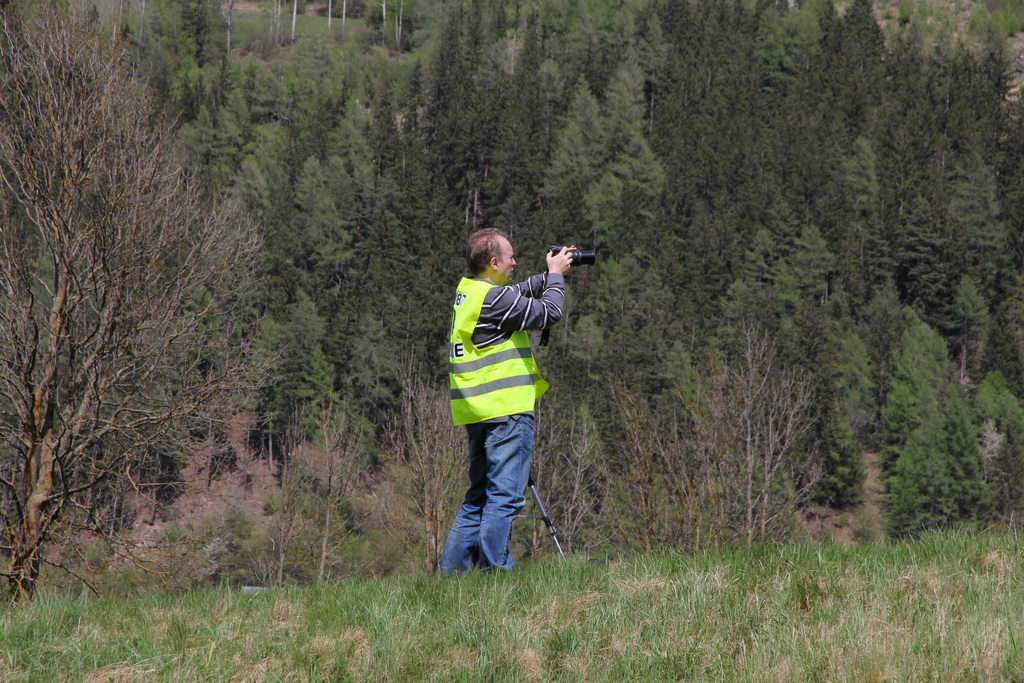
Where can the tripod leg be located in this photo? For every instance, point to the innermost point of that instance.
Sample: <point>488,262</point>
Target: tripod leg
<point>544,517</point>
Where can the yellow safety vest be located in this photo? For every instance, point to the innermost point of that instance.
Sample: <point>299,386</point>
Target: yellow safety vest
<point>492,382</point>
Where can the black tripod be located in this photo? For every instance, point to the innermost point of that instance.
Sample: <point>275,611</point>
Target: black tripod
<point>543,516</point>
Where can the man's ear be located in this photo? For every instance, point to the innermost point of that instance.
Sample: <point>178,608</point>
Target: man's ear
<point>493,263</point>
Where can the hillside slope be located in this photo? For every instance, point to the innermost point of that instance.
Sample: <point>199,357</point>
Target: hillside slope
<point>943,607</point>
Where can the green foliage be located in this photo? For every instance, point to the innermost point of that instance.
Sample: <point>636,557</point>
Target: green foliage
<point>789,42</point>
<point>975,206</point>
<point>841,482</point>
<point>866,258</point>
<point>971,316</point>
<point>931,456</point>
<point>855,387</point>
<point>1002,352</point>
<point>304,374</point>
<point>734,163</point>
<point>767,614</point>
<point>1004,17</point>
<point>1000,419</point>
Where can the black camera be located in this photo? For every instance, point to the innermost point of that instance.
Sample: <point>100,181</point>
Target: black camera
<point>580,257</point>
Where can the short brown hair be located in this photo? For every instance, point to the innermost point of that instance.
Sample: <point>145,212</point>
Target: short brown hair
<point>481,246</point>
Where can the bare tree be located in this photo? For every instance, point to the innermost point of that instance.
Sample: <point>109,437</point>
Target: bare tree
<point>773,416</point>
<point>661,478</point>
<point>338,473</point>
<point>639,473</point>
<point>713,482</point>
<point>751,420</point>
<point>566,467</point>
<point>291,520</point>
<point>119,286</point>
<point>426,458</point>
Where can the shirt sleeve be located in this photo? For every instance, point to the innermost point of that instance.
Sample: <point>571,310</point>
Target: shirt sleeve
<point>533,304</point>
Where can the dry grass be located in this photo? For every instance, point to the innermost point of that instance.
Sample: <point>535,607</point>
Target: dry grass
<point>940,608</point>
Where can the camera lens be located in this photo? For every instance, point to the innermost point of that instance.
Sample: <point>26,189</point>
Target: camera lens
<point>580,257</point>
<point>583,257</point>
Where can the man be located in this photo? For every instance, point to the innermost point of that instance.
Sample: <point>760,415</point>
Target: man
<point>494,384</point>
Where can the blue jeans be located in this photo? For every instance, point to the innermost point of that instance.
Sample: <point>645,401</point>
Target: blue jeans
<point>499,469</point>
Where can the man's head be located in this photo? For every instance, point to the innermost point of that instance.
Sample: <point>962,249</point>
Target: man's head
<point>489,256</point>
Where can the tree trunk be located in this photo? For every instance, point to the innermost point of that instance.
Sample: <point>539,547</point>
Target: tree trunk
<point>275,21</point>
<point>963,358</point>
<point>211,462</point>
<point>23,573</point>
<point>25,562</point>
<point>227,20</point>
<point>280,564</point>
<point>515,38</point>
<point>120,18</point>
<point>749,465</point>
<point>398,27</point>
<point>323,544</point>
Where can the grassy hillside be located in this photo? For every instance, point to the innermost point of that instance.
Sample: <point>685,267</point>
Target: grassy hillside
<point>946,607</point>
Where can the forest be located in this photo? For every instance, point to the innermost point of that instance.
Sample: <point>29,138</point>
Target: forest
<point>808,224</point>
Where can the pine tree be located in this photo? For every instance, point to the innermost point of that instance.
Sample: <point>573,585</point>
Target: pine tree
<point>522,140</point>
<point>764,294</point>
<point>864,261</point>
<point>576,160</point>
<point>789,43</point>
<point>855,390</point>
<point>1002,351</point>
<point>455,105</point>
<point>971,316</point>
<point>999,417</point>
<point>814,265</point>
<point>856,50</point>
<point>628,179</point>
<point>931,456</point>
<point>975,206</point>
<point>925,270</point>
<point>316,216</point>
<point>304,376</point>
<point>816,347</point>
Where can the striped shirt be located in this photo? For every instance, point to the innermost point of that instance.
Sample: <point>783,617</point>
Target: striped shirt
<point>533,304</point>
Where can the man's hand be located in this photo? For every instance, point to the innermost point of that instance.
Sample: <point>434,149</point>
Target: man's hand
<point>561,262</point>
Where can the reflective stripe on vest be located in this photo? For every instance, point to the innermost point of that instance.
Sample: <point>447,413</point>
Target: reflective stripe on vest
<point>492,382</point>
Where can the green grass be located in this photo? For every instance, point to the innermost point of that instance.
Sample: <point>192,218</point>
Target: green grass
<point>947,607</point>
<point>254,27</point>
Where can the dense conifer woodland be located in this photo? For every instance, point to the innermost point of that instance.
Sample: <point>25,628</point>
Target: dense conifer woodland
<point>805,318</point>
